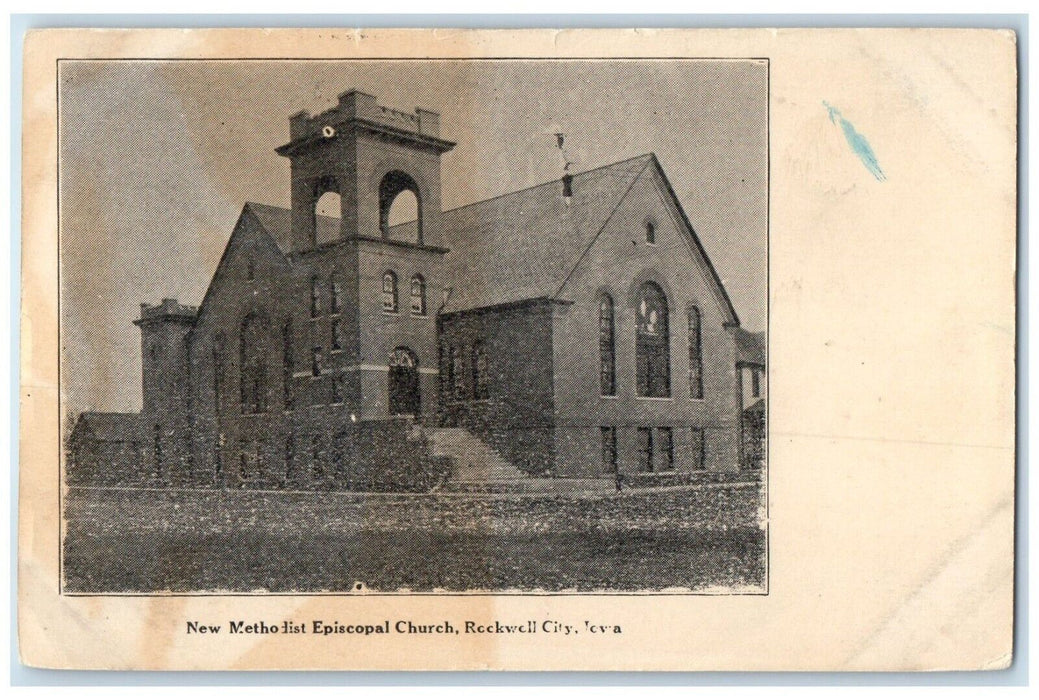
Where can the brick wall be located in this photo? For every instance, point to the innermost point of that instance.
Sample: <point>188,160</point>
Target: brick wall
<point>516,417</point>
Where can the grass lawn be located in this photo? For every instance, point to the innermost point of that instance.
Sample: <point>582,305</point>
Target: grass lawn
<point>122,540</point>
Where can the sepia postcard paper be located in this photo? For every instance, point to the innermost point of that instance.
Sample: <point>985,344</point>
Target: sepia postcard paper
<point>518,350</point>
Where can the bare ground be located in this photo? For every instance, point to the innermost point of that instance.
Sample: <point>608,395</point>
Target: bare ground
<point>141,540</point>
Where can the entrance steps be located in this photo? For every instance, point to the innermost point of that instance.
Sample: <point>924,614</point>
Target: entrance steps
<point>477,468</point>
<point>472,460</point>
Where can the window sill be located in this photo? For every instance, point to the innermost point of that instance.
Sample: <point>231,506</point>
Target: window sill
<point>395,314</point>
<point>612,397</point>
<point>655,398</point>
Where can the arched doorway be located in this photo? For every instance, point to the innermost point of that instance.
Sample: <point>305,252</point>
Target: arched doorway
<point>405,396</point>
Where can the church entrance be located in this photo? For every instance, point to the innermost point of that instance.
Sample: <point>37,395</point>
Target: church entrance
<point>405,397</point>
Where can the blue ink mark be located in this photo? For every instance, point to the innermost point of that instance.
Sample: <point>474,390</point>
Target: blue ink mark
<point>857,141</point>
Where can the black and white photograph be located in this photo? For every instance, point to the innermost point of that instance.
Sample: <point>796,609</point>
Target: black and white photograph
<point>413,326</point>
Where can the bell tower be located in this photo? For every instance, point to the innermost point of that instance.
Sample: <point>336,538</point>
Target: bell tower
<point>367,154</point>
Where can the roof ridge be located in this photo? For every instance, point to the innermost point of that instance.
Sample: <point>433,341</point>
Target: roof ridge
<point>489,199</point>
<point>549,182</point>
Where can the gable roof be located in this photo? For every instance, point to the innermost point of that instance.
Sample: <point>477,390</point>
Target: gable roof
<point>750,347</point>
<point>277,222</point>
<point>109,427</point>
<point>522,245</point>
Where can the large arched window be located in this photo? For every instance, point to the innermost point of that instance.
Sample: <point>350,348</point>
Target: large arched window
<point>418,296</point>
<point>253,365</point>
<point>607,348</point>
<point>652,355</point>
<point>695,355</point>
<point>409,207</point>
<point>389,292</point>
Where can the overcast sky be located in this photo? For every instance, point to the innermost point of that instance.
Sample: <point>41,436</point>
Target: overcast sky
<point>157,159</point>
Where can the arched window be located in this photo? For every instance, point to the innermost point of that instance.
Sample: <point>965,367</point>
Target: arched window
<point>418,296</point>
<point>253,365</point>
<point>695,355</point>
<point>407,209</point>
<point>651,232</point>
<point>337,334</point>
<point>652,355</point>
<point>336,292</point>
<point>389,292</point>
<point>315,297</point>
<point>607,348</point>
<point>250,270</point>
<point>479,367</point>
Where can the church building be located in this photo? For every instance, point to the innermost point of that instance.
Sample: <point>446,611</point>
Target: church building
<point>571,329</point>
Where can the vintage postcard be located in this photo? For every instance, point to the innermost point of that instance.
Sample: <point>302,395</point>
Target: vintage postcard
<point>518,350</point>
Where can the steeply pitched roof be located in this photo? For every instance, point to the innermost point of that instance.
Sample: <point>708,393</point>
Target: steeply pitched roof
<point>278,223</point>
<point>750,347</point>
<point>522,245</point>
<point>516,246</point>
<point>109,427</point>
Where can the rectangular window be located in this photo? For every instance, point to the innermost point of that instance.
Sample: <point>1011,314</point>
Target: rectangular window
<point>696,447</point>
<point>337,389</point>
<point>755,383</point>
<point>337,335</point>
<point>609,450</point>
<point>317,449</point>
<point>333,302</point>
<point>480,372</point>
<point>445,371</point>
<point>315,298</point>
<point>456,373</point>
<point>315,362</point>
<point>667,448</point>
<point>645,449</point>
<point>157,449</point>
<point>290,457</point>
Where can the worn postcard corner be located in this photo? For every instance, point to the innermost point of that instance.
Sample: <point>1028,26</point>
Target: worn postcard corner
<point>670,350</point>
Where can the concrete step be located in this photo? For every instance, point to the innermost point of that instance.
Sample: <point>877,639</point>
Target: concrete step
<point>472,459</point>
